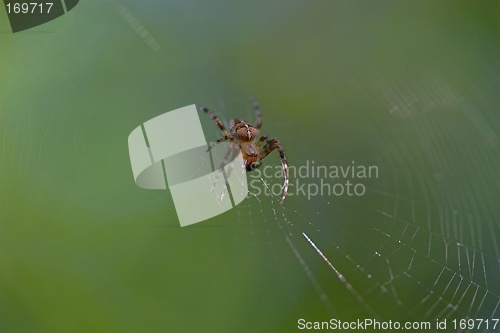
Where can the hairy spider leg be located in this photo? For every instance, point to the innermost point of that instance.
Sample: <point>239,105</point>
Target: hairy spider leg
<point>210,146</point>
<point>258,114</point>
<point>271,145</point>
<point>217,120</point>
<point>261,141</point>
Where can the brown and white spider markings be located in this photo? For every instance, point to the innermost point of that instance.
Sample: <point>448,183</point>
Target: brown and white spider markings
<point>245,134</point>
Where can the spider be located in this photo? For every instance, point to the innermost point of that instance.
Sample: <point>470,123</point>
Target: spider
<point>244,134</point>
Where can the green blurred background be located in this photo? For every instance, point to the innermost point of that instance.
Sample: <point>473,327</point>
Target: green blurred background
<point>409,86</point>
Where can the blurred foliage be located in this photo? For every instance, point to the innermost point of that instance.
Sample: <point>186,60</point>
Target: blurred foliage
<point>410,86</point>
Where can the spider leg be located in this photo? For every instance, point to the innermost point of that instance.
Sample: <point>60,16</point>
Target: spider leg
<point>210,145</point>
<point>220,140</point>
<point>261,141</point>
<point>271,145</point>
<point>256,108</point>
<point>216,119</point>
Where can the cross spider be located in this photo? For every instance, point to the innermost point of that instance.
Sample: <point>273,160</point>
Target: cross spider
<point>244,134</point>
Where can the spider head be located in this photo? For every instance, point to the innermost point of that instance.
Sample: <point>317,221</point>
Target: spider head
<point>243,131</point>
<point>253,165</point>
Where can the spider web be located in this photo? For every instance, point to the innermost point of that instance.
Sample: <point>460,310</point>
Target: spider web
<point>424,250</point>
<point>420,245</point>
<point>429,249</point>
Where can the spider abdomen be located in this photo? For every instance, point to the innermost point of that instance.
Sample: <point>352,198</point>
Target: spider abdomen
<point>243,131</point>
